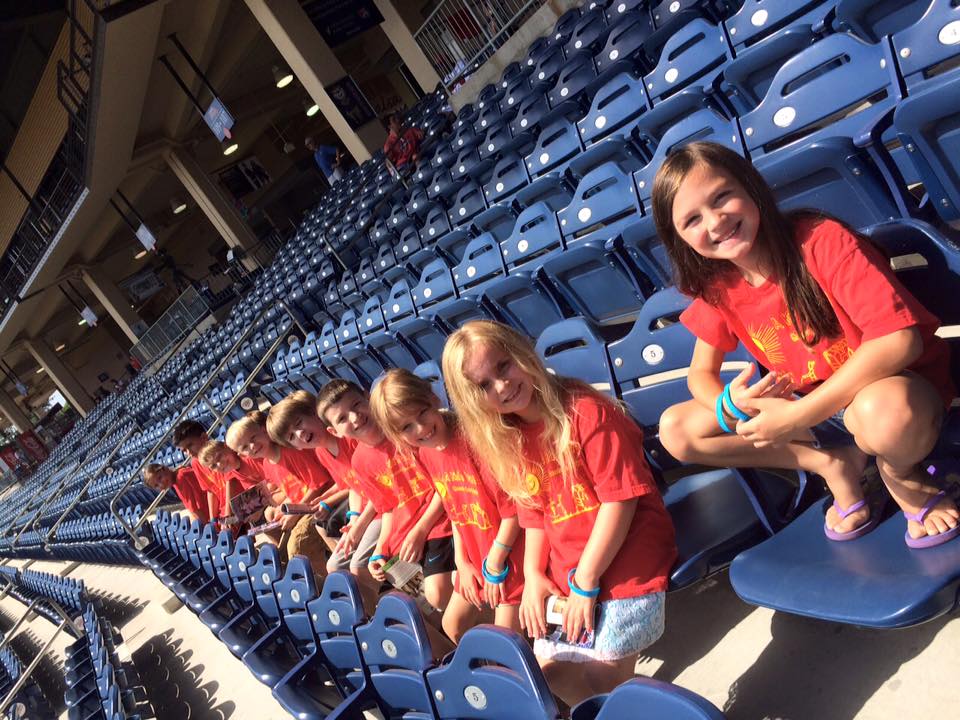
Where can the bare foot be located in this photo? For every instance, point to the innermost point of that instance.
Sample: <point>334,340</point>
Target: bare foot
<point>941,518</point>
<point>843,473</point>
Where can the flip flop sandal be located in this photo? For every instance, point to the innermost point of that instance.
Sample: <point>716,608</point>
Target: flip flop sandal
<point>859,531</point>
<point>928,541</point>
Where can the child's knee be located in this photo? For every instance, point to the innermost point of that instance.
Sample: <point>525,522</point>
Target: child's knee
<point>673,432</point>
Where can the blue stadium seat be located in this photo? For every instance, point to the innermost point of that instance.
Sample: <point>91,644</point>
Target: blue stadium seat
<point>659,700</point>
<point>695,54</point>
<point>492,674</point>
<point>481,262</point>
<point>468,203</point>
<point>871,20</point>
<point>522,302</point>
<point>574,78</point>
<point>509,175</point>
<point>242,629</point>
<point>616,107</point>
<point>556,145</point>
<point>589,33</point>
<point>430,371</point>
<point>535,235</point>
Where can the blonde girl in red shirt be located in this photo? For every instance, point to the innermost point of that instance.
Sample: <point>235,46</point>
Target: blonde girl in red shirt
<point>488,545</point>
<point>820,308</point>
<point>596,530</point>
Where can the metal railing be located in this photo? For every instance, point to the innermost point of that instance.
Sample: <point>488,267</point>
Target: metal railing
<point>183,315</point>
<point>460,35</point>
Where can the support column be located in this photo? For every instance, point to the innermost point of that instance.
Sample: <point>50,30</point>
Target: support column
<point>111,297</point>
<point>315,65</point>
<point>221,213</point>
<point>406,46</point>
<point>13,412</point>
<point>61,375</point>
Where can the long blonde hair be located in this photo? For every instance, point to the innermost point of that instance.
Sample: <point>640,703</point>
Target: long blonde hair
<point>491,435</point>
<point>252,420</point>
<point>399,391</point>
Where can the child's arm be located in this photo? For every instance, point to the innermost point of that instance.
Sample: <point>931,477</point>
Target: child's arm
<point>357,528</point>
<point>874,360</point>
<point>497,557</point>
<point>606,539</point>
<point>332,497</point>
<point>537,587</point>
<point>411,549</point>
<point>376,566</point>
<point>212,505</point>
<point>705,384</point>
<point>469,576</point>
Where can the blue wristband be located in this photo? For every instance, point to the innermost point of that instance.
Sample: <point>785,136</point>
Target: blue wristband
<point>731,408</point>
<point>490,577</point>
<point>352,514</point>
<point>326,507</point>
<point>721,420</point>
<point>579,591</point>
<point>376,558</point>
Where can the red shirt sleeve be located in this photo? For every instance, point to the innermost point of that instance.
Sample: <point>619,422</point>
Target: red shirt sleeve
<point>708,324</point>
<point>611,446</point>
<point>859,280</point>
<point>367,464</point>
<point>530,517</point>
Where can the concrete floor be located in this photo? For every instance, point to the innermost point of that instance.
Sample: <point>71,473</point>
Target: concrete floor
<point>752,663</point>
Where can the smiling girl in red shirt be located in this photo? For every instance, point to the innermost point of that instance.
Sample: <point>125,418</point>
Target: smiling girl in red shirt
<point>819,307</point>
<point>488,545</point>
<point>597,532</point>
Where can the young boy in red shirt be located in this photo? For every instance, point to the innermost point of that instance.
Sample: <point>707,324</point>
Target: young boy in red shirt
<point>189,437</point>
<point>184,483</point>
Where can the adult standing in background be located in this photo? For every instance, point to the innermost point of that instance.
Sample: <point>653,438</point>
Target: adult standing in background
<point>328,158</point>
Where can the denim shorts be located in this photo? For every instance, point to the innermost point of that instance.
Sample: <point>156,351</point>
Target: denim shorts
<point>832,432</point>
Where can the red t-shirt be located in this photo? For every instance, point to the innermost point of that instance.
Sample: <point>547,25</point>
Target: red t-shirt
<point>475,504</point>
<point>209,481</point>
<point>249,474</point>
<point>297,472</point>
<point>610,468</point>
<point>862,289</point>
<point>340,466</point>
<point>191,494</point>
<point>395,482</point>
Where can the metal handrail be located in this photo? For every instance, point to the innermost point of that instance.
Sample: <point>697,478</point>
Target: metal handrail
<point>26,508</point>
<point>138,541</point>
<point>93,478</point>
<point>8,636</point>
<point>25,675</point>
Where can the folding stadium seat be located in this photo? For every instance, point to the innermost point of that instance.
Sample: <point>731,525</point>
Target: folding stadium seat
<point>430,371</point>
<point>573,79</point>
<point>469,163</point>
<point>436,225</point>
<point>616,108</point>
<point>441,184</point>
<point>659,700</point>
<point>380,232</point>
<point>450,247</point>
<point>522,302</point>
<point>556,145</point>
<point>926,55</point>
<point>872,21</point>
<point>318,683</point>
<point>492,674</point>
<point>531,113</point>
<point>480,263</point>
<point>516,89</point>
<point>624,43</point>
<point>385,345</point>
<point>695,54</point>
<point>396,654</point>
<point>509,175</point>
<point>812,165</point>
<point>255,585</point>
<point>759,19</point>
<point>468,203</point>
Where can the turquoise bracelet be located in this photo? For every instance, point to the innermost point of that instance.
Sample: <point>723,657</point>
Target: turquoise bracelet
<point>326,507</point>
<point>352,514</point>
<point>731,408</point>
<point>592,593</point>
<point>376,558</point>
<point>721,420</point>
<point>490,577</point>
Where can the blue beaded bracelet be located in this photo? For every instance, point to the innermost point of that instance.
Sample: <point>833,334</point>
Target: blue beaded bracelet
<point>721,420</point>
<point>490,577</point>
<point>579,591</point>
<point>376,558</point>
<point>352,514</point>
<point>731,408</point>
<point>326,507</point>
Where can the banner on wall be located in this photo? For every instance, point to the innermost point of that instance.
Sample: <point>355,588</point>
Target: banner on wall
<point>339,20</point>
<point>142,285</point>
<point>11,456</point>
<point>32,445</point>
<point>351,102</point>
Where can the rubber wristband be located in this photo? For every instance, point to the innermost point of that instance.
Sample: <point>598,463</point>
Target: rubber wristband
<point>502,546</point>
<point>579,591</point>
<point>490,577</point>
<point>731,408</point>
<point>326,507</point>
<point>352,514</point>
<point>376,558</point>
<point>722,421</point>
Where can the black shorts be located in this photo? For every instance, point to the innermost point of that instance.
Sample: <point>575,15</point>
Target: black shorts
<point>438,556</point>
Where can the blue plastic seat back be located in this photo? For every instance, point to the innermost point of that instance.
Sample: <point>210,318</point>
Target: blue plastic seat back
<point>293,591</point>
<point>557,143</point>
<point>509,175</point>
<point>430,371</point>
<point>522,302</point>
<point>530,111</point>
<point>516,89</point>
<point>573,79</point>
<point>604,199</point>
<point>654,124</point>
<point>366,272</point>
<point>244,555</point>
<point>398,218</point>
<point>451,246</point>
<point>481,262</point>
<point>263,574</point>
<point>573,348</point>
<point>703,125</point>
<point>493,674</point>
<point>442,185</point>
<point>535,235</point>
<point>396,650</point>
<point>498,220</point>
<point>408,245</point>
<point>419,201</point>
<point>436,285</point>
<point>399,303</point>
<point>497,137</point>
<point>616,107</point>
<point>548,67</point>
<point>926,44</point>
<point>371,320</point>
<point>873,19</point>
<point>589,33</point>
<point>469,163</point>
<point>219,553</point>
<point>347,331</point>
<point>659,700</point>
<point>625,41</point>
<point>200,557</point>
<point>435,226</point>
<point>489,116</point>
<point>335,614</point>
<point>467,204</point>
<point>386,258</point>
<point>328,338</point>
<point>695,54</point>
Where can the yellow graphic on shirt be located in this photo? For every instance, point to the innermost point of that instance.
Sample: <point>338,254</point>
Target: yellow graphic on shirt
<point>837,354</point>
<point>533,484</point>
<point>810,376</point>
<point>441,488</point>
<point>562,505</point>
<point>768,342</point>
<point>405,480</point>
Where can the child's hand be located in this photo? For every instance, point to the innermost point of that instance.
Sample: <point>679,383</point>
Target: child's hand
<point>770,385</point>
<point>533,605</point>
<point>270,514</point>
<point>411,549</point>
<point>376,570</point>
<point>578,616</point>
<point>774,421</point>
<point>349,541</point>
<point>470,583</point>
<point>493,594</point>
<point>288,522</point>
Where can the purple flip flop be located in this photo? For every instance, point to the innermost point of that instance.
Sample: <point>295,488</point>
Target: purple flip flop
<point>857,532</point>
<point>928,541</point>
